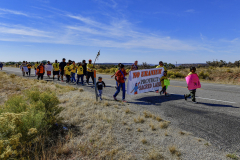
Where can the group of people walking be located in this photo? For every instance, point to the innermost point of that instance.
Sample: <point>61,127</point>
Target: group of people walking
<point>70,69</point>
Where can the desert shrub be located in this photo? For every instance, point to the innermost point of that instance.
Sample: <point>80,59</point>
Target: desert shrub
<point>203,75</point>
<point>100,70</point>
<point>112,70</point>
<point>25,117</point>
<point>107,71</point>
<point>172,76</point>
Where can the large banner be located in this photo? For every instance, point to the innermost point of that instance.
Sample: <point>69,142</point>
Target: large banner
<point>193,82</point>
<point>25,69</point>
<point>48,67</point>
<point>142,81</point>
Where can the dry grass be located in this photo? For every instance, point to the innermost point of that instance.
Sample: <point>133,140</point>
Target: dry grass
<point>144,141</point>
<point>173,150</point>
<point>127,111</point>
<point>164,125</point>
<point>232,156</point>
<point>139,119</point>
<point>155,155</point>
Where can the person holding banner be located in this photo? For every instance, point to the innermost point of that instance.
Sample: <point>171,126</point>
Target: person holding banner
<point>24,68</point>
<point>29,66</point>
<point>134,66</point>
<point>193,83</point>
<point>117,69</point>
<point>164,87</point>
<point>160,66</point>
<point>120,77</point>
<point>40,71</point>
<point>49,69</point>
<point>35,67</point>
<point>90,69</point>
<point>56,69</point>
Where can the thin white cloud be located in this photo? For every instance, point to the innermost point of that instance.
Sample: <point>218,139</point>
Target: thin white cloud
<point>108,3</point>
<point>190,11</point>
<point>24,31</point>
<point>7,11</point>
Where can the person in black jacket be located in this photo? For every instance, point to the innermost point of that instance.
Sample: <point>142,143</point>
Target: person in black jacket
<point>84,65</point>
<point>61,67</point>
<point>100,84</point>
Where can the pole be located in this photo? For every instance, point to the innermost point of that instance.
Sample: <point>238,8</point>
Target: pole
<point>95,75</point>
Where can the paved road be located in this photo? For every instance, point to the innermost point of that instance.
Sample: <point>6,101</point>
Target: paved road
<point>216,118</point>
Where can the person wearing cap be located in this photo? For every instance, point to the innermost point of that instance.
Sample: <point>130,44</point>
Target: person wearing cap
<point>80,73</point>
<point>90,70</point>
<point>160,66</point>
<point>67,72</point>
<point>134,66</point>
<point>100,84</point>
<point>56,69</point>
<point>61,67</point>
<point>120,77</point>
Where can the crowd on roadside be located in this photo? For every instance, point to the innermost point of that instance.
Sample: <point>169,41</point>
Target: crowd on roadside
<point>75,73</point>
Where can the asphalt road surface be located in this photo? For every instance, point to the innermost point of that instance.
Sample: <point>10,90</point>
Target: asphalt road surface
<point>215,118</point>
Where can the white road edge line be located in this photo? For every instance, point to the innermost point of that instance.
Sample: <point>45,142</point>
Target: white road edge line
<point>212,99</point>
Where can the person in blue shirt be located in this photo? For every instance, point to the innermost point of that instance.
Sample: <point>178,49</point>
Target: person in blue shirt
<point>1,65</point>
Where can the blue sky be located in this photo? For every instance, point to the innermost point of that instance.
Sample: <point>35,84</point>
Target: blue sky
<point>186,31</point>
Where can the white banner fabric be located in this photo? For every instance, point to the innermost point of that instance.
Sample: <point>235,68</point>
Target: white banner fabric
<point>48,67</point>
<point>25,69</point>
<point>141,81</point>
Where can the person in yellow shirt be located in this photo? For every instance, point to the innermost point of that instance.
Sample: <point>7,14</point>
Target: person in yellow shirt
<point>67,72</point>
<point>164,87</point>
<point>90,70</point>
<point>56,69</point>
<point>73,71</point>
<point>29,66</point>
<point>80,73</point>
<point>35,67</point>
<point>160,66</point>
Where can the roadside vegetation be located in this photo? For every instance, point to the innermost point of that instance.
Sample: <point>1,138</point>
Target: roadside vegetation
<point>43,120</point>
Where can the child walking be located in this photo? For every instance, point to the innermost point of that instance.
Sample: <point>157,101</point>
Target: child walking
<point>192,92</point>
<point>100,85</point>
<point>80,73</point>
<point>67,72</point>
<point>164,87</point>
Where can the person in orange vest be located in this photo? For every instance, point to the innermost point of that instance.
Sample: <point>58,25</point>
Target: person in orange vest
<point>40,71</point>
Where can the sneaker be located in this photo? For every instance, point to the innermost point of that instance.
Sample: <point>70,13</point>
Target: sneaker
<point>185,97</point>
<point>115,98</point>
<point>62,81</point>
<point>157,91</point>
<point>124,101</point>
<point>195,102</point>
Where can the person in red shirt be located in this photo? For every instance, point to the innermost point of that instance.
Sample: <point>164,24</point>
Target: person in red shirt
<point>40,71</point>
<point>120,77</point>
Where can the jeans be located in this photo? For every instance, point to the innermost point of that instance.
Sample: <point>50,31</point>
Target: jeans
<point>68,78</point>
<point>100,94</point>
<point>73,77</point>
<point>90,74</point>
<point>121,85</point>
<point>78,77</point>
<point>192,94</point>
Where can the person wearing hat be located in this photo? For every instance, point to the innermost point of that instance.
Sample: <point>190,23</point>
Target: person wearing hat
<point>134,66</point>
<point>61,67</point>
<point>160,66</point>
<point>90,70</point>
<point>56,69</point>
<point>100,84</point>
